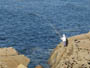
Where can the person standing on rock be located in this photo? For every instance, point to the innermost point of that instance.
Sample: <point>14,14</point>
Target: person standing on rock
<point>65,40</point>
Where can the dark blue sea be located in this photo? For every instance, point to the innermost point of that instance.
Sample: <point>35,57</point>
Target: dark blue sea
<point>25,25</point>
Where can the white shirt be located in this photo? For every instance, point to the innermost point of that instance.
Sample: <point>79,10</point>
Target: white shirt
<point>63,38</point>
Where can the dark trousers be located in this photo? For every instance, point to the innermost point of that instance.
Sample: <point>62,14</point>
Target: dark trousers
<point>66,43</point>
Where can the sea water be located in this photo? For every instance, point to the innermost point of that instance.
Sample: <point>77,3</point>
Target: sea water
<point>25,25</point>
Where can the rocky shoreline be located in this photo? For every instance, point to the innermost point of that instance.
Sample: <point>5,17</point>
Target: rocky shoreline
<point>10,58</point>
<point>75,55</point>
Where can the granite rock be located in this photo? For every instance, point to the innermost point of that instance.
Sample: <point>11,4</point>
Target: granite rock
<point>75,55</point>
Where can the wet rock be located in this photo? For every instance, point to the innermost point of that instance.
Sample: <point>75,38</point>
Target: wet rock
<point>75,55</point>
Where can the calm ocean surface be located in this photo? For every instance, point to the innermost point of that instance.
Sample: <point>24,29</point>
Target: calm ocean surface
<point>25,25</point>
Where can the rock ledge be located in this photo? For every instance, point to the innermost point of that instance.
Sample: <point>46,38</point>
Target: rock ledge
<point>10,58</point>
<point>75,55</point>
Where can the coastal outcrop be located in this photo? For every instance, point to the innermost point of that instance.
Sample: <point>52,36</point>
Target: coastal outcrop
<point>75,55</point>
<point>38,66</point>
<point>10,58</point>
<point>21,66</point>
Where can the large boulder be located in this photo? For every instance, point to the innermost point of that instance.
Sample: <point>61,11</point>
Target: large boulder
<point>21,66</point>
<point>8,51</point>
<point>75,55</point>
<point>10,58</point>
<point>38,66</point>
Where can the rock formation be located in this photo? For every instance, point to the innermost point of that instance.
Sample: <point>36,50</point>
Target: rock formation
<point>75,55</point>
<point>9,58</point>
<point>21,66</point>
<point>38,66</point>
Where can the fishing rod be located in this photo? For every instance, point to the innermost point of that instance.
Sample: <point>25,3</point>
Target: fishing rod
<point>50,23</point>
<point>54,28</point>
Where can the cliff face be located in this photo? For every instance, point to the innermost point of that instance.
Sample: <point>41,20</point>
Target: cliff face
<point>9,58</point>
<point>75,55</point>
